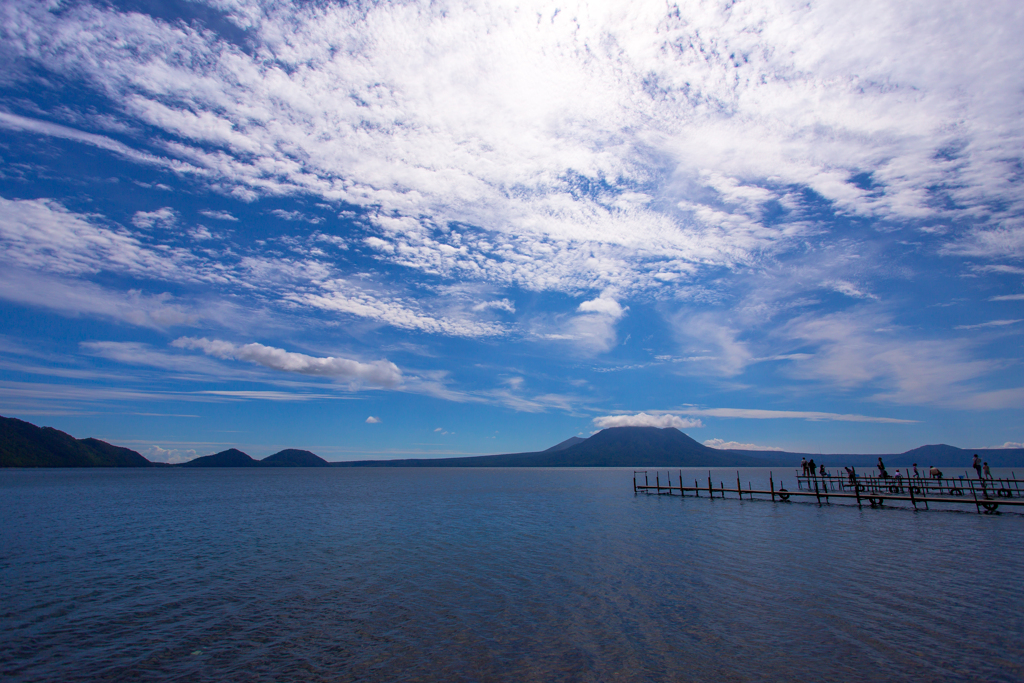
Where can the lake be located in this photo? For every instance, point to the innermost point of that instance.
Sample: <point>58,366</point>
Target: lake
<point>490,575</point>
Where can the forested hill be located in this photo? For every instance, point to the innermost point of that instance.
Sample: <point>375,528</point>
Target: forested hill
<point>22,444</point>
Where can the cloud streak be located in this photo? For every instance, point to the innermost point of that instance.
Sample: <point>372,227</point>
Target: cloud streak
<point>381,372</point>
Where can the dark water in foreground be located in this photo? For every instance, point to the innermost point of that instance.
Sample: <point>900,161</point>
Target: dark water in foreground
<point>481,575</point>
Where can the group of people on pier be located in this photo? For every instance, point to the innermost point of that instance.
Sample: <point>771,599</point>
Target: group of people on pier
<point>808,467</point>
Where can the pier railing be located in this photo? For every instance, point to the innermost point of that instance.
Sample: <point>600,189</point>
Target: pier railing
<point>986,494</point>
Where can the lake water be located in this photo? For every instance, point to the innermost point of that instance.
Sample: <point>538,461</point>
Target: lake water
<point>489,575</point>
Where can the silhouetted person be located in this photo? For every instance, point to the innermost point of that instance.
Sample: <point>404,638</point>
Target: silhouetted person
<point>821,470</point>
<point>934,472</point>
<point>881,469</point>
<point>987,471</point>
<point>803,465</point>
<point>810,467</point>
<point>916,474</point>
<point>976,464</point>
<point>851,474</point>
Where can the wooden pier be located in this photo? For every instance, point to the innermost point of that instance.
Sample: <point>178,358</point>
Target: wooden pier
<point>985,494</point>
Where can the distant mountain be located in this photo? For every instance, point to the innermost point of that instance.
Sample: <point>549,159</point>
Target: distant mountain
<point>236,458</point>
<point>294,458</point>
<point>613,447</point>
<point>942,455</point>
<point>643,447</point>
<point>939,455</point>
<point>22,444</point>
<point>229,458</point>
<point>571,441</point>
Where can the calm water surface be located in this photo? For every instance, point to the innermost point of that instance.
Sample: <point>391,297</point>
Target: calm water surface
<point>489,575</point>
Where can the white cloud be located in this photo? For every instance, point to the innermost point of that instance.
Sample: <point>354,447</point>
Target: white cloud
<point>756,414</point>
<point>722,444</point>
<point>862,348</point>
<point>169,455</point>
<point>499,305</point>
<point>999,268</point>
<point>542,133</point>
<point>594,330</point>
<point>1009,444</point>
<point>42,235</point>
<point>1008,297</point>
<point>604,305</point>
<point>22,123</point>
<point>373,420</point>
<point>644,420</point>
<point>162,218</point>
<point>381,372</point>
<point>218,215</point>
<point>850,290</point>
<point>200,233</point>
<point>714,342</point>
<point>990,323</point>
<point>341,296</point>
<point>257,395</point>
<point>295,216</point>
<point>159,311</point>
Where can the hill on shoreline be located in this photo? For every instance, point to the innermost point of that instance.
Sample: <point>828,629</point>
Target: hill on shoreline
<point>22,444</point>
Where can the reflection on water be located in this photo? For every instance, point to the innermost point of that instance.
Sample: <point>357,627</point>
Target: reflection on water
<point>472,574</point>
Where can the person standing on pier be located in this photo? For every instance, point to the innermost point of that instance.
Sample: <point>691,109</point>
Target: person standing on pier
<point>810,467</point>
<point>987,471</point>
<point>881,469</point>
<point>976,464</point>
<point>821,470</point>
<point>803,465</point>
<point>916,475</point>
<point>934,472</point>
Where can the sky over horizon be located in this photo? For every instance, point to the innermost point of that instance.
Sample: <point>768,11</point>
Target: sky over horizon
<point>415,229</point>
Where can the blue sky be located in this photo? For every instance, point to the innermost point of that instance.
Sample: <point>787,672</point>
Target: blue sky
<point>420,229</point>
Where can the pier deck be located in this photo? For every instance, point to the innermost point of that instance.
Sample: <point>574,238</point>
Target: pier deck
<point>985,494</point>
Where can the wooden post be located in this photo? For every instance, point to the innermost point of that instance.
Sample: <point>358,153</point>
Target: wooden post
<point>816,494</point>
<point>739,487</point>
<point>711,491</point>
<point>657,481</point>
<point>974,493</point>
<point>696,489</point>
<point>771,482</point>
<point>911,487</point>
<point>634,482</point>
<point>856,489</point>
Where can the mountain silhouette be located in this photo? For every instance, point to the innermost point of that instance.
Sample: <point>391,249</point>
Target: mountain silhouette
<point>22,444</point>
<point>294,458</point>
<point>229,458</point>
<point>612,447</point>
<point>571,441</point>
